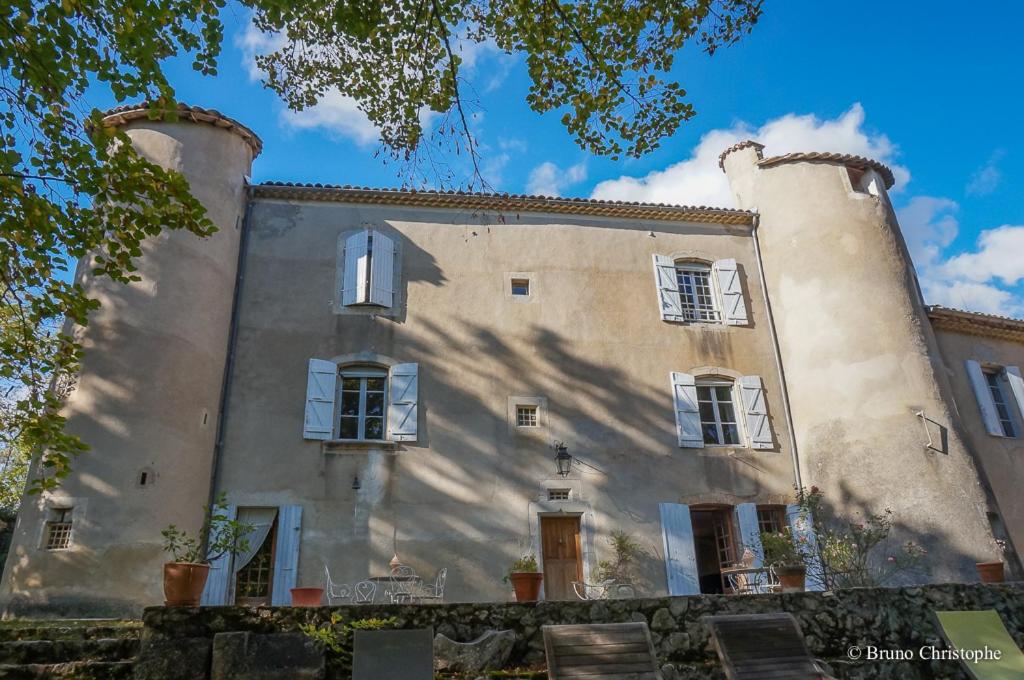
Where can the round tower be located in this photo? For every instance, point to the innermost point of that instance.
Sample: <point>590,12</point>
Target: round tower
<point>862,366</point>
<point>148,394</point>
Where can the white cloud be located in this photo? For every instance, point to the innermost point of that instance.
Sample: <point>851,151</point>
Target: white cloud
<point>973,297</point>
<point>1000,255</point>
<point>987,178</point>
<point>929,224</point>
<point>699,181</point>
<point>336,114</point>
<point>547,179</point>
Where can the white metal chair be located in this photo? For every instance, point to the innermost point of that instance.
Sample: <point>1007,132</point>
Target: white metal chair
<point>751,580</point>
<point>435,591</point>
<point>609,589</point>
<point>336,591</point>
<point>403,584</point>
<point>365,591</point>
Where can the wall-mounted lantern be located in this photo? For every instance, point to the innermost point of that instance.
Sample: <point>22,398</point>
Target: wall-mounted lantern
<point>563,460</point>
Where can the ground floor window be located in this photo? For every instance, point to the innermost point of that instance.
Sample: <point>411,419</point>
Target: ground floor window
<point>714,543</point>
<point>58,529</point>
<point>254,579</point>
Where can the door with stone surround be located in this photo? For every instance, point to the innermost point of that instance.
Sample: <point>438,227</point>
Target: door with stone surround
<point>562,555</point>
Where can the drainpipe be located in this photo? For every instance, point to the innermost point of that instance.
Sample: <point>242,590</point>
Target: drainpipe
<point>797,478</point>
<point>229,362</point>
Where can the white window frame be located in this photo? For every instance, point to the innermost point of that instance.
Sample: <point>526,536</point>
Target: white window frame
<point>691,312</point>
<point>995,379</point>
<point>362,373</point>
<point>711,383</point>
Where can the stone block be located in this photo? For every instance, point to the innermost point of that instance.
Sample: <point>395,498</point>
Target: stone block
<point>275,656</point>
<point>393,655</point>
<point>489,651</point>
<point>174,659</point>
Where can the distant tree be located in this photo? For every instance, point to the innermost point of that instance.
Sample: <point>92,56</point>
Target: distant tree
<point>70,186</point>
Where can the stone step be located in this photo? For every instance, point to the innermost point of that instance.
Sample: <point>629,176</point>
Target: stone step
<point>75,670</point>
<point>62,651</point>
<point>72,629</point>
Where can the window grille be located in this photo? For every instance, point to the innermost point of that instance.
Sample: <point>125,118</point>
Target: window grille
<point>58,530</point>
<point>526,416</point>
<point>696,294</point>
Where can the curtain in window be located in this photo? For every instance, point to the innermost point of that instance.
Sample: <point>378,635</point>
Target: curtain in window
<point>262,519</point>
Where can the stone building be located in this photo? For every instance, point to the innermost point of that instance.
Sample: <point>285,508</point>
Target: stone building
<point>365,373</point>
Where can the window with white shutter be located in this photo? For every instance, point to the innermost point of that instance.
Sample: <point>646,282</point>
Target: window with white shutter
<point>321,381</point>
<point>699,292</point>
<point>734,308</point>
<point>374,403</point>
<point>983,392</point>
<point>368,269</point>
<point>403,406</point>
<point>684,397</point>
<point>755,406</point>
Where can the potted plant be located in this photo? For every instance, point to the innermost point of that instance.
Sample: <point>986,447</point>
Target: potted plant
<point>992,572</point>
<point>185,575</point>
<point>525,578</point>
<point>784,557</point>
<point>307,597</point>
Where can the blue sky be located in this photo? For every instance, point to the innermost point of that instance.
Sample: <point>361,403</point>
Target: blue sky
<point>919,85</point>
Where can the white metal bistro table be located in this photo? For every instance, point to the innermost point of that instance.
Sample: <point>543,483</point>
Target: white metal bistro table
<point>385,582</point>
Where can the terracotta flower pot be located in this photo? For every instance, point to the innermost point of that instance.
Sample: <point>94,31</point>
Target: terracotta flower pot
<point>792,579</point>
<point>991,572</point>
<point>184,583</point>
<point>307,597</point>
<point>526,584</point>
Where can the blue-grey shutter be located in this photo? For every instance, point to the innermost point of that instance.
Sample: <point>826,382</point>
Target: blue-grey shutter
<point>382,265</point>
<point>984,396</point>
<point>403,412</point>
<point>667,286</point>
<point>1017,388</point>
<point>684,401</point>
<point>802,529</point>
<point>286,558</point>
<point>750,532</point>
<point>756,409</point>
<point>734,309</point>
<point>680,552</point>
<point>353,280</point>
<point>321,383</point>
<point>218,583</point>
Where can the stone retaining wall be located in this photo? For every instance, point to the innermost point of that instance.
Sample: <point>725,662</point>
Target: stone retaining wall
<point>889,619</point>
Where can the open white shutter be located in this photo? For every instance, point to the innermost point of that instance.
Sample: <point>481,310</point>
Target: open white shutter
<point>382,263</point>
<point>321,381</point>
<point>667,285</point>
<point>680,551</point>
<point>734,309</point>
<point>750,532</point>
<point>1017,388</point>
<point>402,411</point>
<point>802,529</point>
<point>353,289</point>
<point>215,592</point>
<point>286,554</point>
<point>984,396</point>
<point>684,397</point>
<point>758,428</point>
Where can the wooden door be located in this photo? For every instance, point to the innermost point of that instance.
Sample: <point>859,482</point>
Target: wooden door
<point>563,558</point>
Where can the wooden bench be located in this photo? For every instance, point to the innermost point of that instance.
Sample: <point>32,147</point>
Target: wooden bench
<point>608,651</point>
<point>762,647</point>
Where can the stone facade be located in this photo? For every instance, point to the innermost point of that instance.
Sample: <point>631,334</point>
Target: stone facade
<point>487,328</point>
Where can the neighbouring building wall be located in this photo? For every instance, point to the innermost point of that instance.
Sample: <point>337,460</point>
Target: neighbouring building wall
<point>860,357</point>
<point>1001,455</point>
<point>588,346</point>
<point>147,398</point>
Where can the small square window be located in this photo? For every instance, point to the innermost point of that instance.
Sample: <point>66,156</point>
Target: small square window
<point>58,530</point>
<point>521,287</point>
<point>526,416</point>
<point>559,494</point>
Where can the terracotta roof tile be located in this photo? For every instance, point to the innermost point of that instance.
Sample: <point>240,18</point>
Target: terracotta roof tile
<point>122,114</point>
<point>859,162</point>
<point>504,202</point>
<point>976,323</point>
<point>736,147</point>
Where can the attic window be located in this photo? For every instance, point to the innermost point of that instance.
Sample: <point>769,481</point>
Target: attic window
<point>521,287</point>
<point>559,494</point>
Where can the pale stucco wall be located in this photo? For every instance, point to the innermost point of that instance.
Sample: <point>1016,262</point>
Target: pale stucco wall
<point>861,359</point>
<point>463,496</point>
<point>147,397</point>
<point>1001,458</point>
